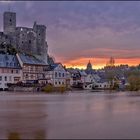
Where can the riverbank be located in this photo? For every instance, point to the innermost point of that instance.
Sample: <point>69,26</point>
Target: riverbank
<point>69,92</point>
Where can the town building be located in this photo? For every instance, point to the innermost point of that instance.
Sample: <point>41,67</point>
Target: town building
<point>10,70</point>
<point>102,85</point>
<point>75,78</point>
<point>32,67</point>
<point>56,75</point>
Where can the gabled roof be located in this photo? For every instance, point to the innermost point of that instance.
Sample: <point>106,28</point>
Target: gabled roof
<point>31,60</point>
<point>53,66</point>
<point>82,73</point>
<point>9,61</point>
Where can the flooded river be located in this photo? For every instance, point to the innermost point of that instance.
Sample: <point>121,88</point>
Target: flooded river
<point>73,115</point>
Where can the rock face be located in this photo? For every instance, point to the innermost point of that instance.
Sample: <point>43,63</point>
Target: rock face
<point>28,40</point>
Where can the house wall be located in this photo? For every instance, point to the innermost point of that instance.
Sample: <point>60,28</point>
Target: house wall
<point>104,85</point>
<point>33,72</point>
<point>57,76</point>
<point>89,79</point>
<point>89,86</point>
<point>9,75</point>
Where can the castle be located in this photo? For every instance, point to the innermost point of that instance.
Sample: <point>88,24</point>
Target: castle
<point>24,39</point>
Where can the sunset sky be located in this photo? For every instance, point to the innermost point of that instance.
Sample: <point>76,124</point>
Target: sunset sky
<point>79,31</point>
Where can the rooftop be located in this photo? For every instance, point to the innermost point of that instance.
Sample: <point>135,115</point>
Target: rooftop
<point>9,61</point>
<point>32,60</point>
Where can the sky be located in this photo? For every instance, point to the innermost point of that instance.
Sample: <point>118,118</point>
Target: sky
<point>79,31</point>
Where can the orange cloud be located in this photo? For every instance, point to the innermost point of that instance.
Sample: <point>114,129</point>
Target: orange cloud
<point>99,62</point>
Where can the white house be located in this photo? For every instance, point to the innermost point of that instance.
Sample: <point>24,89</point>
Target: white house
<point>10,70</point>
<point>90,78</point>
<point>88,81</point>
<point>56,75</point>
<point>102,85</point>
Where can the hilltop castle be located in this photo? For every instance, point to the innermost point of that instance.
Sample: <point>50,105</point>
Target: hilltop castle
<point>27,40</point>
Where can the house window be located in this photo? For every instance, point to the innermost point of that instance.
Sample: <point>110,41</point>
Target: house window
<point>0,78</point>
<point>56,83</point>
<point>63,75</point>
<point>16,71</point>
<point>16,79</point>
<point>5,78</point>
<point>11,71</point>
<point>26,75</point>
<point>31,68</point>
<point>59,74</point>
<point>59,83</point>
<point>55,74</point>
<point>7,63</point>
<point>29,41</point>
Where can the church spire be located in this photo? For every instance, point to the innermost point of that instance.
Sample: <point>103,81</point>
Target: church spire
<point>89,66</point>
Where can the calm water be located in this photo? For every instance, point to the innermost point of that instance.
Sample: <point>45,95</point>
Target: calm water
<point>73,115</point>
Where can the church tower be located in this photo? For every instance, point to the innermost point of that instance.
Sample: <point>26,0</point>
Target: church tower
<point>9,22</point>
<point>89,66</point>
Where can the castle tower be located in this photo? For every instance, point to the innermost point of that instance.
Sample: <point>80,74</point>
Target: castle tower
<point>41,44</point>
<point>9,22</point>
<point>40,31</point>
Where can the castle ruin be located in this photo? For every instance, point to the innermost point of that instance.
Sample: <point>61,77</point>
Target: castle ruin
<point>24,39</point>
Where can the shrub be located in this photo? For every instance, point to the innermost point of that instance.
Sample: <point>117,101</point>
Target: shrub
<point>62,89</point>
<point>134,83</point>
<point>51,88</point>
<point>48,88</point>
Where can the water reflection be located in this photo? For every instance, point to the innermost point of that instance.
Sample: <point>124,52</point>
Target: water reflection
<point>71,116</point>
<point>14,136</point>
<point>36,136</point>
<point>23,118</point>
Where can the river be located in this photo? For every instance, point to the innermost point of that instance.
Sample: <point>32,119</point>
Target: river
<point>79,114</point>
